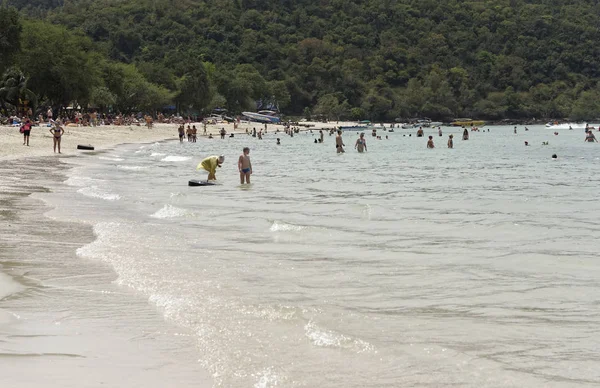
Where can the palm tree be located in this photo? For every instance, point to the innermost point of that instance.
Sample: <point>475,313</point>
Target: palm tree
<point>13,88</point>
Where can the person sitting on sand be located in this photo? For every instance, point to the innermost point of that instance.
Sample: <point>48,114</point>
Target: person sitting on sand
<point>450,141</point>
<point>57,133</point>
<point>430,142</point>
<point>339,143</point>
<point>245,166</point>
<point>210,164</point>
<point>361,143</point>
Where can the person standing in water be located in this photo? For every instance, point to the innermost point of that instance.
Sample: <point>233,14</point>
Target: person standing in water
<point>450,141</point>
<point>245,166</point>
<point>440,131</point>
<point>590,137</point>
<point>57,133</point>
<point>321,136</point>
<point>466,134</point>
<point>430,142</point>
<point>339,143</point>
<point>210,164</point>
<point>361,143</point>
<point>181,131</point>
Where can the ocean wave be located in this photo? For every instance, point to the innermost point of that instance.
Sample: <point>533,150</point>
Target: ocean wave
<point>172,158</point>
<point>131,168</point>
<point>169,211</point>
<point>80,181</point>
<point>96,192</point>
<point>283,227</point>
<point>110,158</point>
<point>157,154</point>
<point>330,339</point>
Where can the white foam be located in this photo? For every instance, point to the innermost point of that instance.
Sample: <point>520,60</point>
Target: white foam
<point>96,192</point>
<point>169,211</point>
<point>81,181</point>
<point>172,158</point>
<point>157,154</point>
<point>131,168</point>
<point>266,378</point>
<point>111,159</point>
<point>330,339</point>
<point>283,227</point>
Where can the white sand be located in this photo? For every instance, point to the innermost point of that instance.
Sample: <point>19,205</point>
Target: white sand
<point>107,136</point>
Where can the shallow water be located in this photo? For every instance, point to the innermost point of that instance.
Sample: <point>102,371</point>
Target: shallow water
<point>403,266</point>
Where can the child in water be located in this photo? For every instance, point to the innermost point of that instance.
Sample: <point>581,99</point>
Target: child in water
<point>245,166</point>
<point>450,141</point>
<point>430,142</point>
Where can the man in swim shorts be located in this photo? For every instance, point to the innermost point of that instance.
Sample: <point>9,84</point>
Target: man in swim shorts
<point>210,164</point>
<point>245,166</point>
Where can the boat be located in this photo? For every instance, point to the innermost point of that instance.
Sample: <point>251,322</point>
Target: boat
<point>467,123</point>
<point>436,123</point>
<point>263,116</point>
<point>556,125</point>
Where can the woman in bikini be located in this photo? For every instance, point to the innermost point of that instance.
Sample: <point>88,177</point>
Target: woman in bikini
<point>361,143</point>
<point>57,131</point>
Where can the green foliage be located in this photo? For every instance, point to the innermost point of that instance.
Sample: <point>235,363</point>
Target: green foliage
<point>378,59</point>
<point>10,35</point>
<point>13,88</point>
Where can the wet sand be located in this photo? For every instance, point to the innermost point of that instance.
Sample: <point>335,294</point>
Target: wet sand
<point>61,316</point>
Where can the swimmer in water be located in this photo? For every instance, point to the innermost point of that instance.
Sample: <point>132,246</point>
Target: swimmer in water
<point>361,143</point>
<point>465,134</point>
<point>451,141</point>
<point>430,142</point>
<point>339,143</point>
<point>210,164</point>
<point>590,137</point>
<point>245,166</point>
<point>278,141</point>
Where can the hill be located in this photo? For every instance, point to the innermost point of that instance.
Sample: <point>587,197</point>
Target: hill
<point>378,59</point>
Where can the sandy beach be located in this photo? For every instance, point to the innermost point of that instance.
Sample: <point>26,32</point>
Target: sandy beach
<point>108,136</point>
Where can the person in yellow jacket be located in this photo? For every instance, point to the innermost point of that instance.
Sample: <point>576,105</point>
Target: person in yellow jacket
<point>210,164</point>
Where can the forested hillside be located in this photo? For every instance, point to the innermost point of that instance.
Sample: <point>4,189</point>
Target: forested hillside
<point>377,59</point>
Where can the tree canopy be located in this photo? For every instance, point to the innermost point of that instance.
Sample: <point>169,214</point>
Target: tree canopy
<point>382,59</point>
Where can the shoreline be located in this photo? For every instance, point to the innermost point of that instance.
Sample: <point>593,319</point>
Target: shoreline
<point>59,313</point>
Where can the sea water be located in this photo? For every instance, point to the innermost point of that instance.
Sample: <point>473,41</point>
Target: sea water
<point>475,266</point>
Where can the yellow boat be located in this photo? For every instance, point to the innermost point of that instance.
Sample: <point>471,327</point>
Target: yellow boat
<point>467,123</point>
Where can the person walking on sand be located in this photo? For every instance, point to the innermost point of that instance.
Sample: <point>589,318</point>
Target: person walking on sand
<point>450,141</point>
<point>430,142</point>
<point>26,132</point>
<point>339,143</point>
<point>57,131</point>
<point>361,143</point>
<point>210,164</point>
<point>245,166</point>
